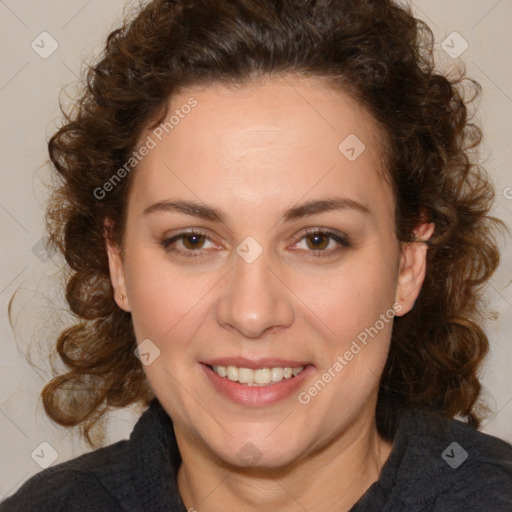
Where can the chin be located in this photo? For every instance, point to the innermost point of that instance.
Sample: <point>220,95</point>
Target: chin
<point>259,451</point>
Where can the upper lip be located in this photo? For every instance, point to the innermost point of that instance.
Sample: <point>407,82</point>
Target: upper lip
<point>253,364</point>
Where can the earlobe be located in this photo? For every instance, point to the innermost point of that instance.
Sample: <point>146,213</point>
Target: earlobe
<point>413,267</point>
<point>117,274</point>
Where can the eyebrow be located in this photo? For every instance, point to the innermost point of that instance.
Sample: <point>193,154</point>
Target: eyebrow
<point>309,208</point>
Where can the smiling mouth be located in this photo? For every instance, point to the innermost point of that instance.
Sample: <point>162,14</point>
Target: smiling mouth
<point>258,376</point>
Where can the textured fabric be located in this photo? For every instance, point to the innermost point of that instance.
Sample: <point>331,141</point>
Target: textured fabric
<point>425,472</point>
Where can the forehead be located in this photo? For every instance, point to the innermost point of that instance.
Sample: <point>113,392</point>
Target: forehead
<point>268,142</point>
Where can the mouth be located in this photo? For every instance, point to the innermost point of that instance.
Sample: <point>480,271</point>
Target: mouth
<point>257,383</point>
<point>256,377</point>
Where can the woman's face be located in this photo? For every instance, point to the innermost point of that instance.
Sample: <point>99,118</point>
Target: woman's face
<point>260,235</point>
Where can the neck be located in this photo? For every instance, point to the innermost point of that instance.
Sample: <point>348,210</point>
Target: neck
<point>333,478</point>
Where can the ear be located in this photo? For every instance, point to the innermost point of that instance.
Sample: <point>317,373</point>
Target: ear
<point>413,266</point>
<point>116,267</point>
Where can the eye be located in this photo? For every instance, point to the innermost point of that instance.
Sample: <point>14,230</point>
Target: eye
<point>316,242</point>
<point>320,241</point>
<point>190,243</point>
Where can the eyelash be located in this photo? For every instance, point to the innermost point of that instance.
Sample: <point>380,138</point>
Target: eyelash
<point>338,238</point>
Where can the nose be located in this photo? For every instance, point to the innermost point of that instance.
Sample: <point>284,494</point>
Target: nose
<point>254,300</point>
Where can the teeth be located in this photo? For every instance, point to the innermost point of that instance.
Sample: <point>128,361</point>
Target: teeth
<point>232,373</point>
<point>262,376</point>
<point>258,377</point>
<point>277,374</point>
<point>245,376</point>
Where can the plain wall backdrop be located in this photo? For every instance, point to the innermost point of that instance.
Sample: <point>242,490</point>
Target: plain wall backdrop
<point>44,46</point>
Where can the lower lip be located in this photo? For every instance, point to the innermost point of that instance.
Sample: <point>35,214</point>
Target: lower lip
<point>257,396</point>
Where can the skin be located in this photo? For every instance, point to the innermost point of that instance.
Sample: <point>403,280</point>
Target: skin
<point>253,152</point>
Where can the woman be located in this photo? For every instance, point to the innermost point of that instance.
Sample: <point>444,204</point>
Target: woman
<point>277,240</point>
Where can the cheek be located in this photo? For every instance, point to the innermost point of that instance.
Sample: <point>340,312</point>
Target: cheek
<point>164,300</point>
<point>352,298</point>
<point>357,308</point>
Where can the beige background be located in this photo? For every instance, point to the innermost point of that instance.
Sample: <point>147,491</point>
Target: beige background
<point>29,92</point>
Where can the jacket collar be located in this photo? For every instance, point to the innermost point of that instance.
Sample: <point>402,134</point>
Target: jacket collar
<point>147,471</point>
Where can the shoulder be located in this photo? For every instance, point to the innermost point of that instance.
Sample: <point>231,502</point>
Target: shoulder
<point>75,485</point>
<point>134,474</point>
<point>453,466</point>
<point>480,467</point>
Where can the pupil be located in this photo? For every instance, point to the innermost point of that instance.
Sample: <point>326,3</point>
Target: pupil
<point>318,241</point>
<point>193,241</point>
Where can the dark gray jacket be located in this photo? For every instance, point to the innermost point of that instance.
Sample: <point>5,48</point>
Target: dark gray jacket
<point>436,465</point>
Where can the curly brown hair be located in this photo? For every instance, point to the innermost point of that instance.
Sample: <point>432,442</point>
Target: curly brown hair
<point>373,49</point>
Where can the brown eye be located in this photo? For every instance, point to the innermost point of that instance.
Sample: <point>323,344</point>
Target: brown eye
<point>193,241</point>
<point>317,241</point>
